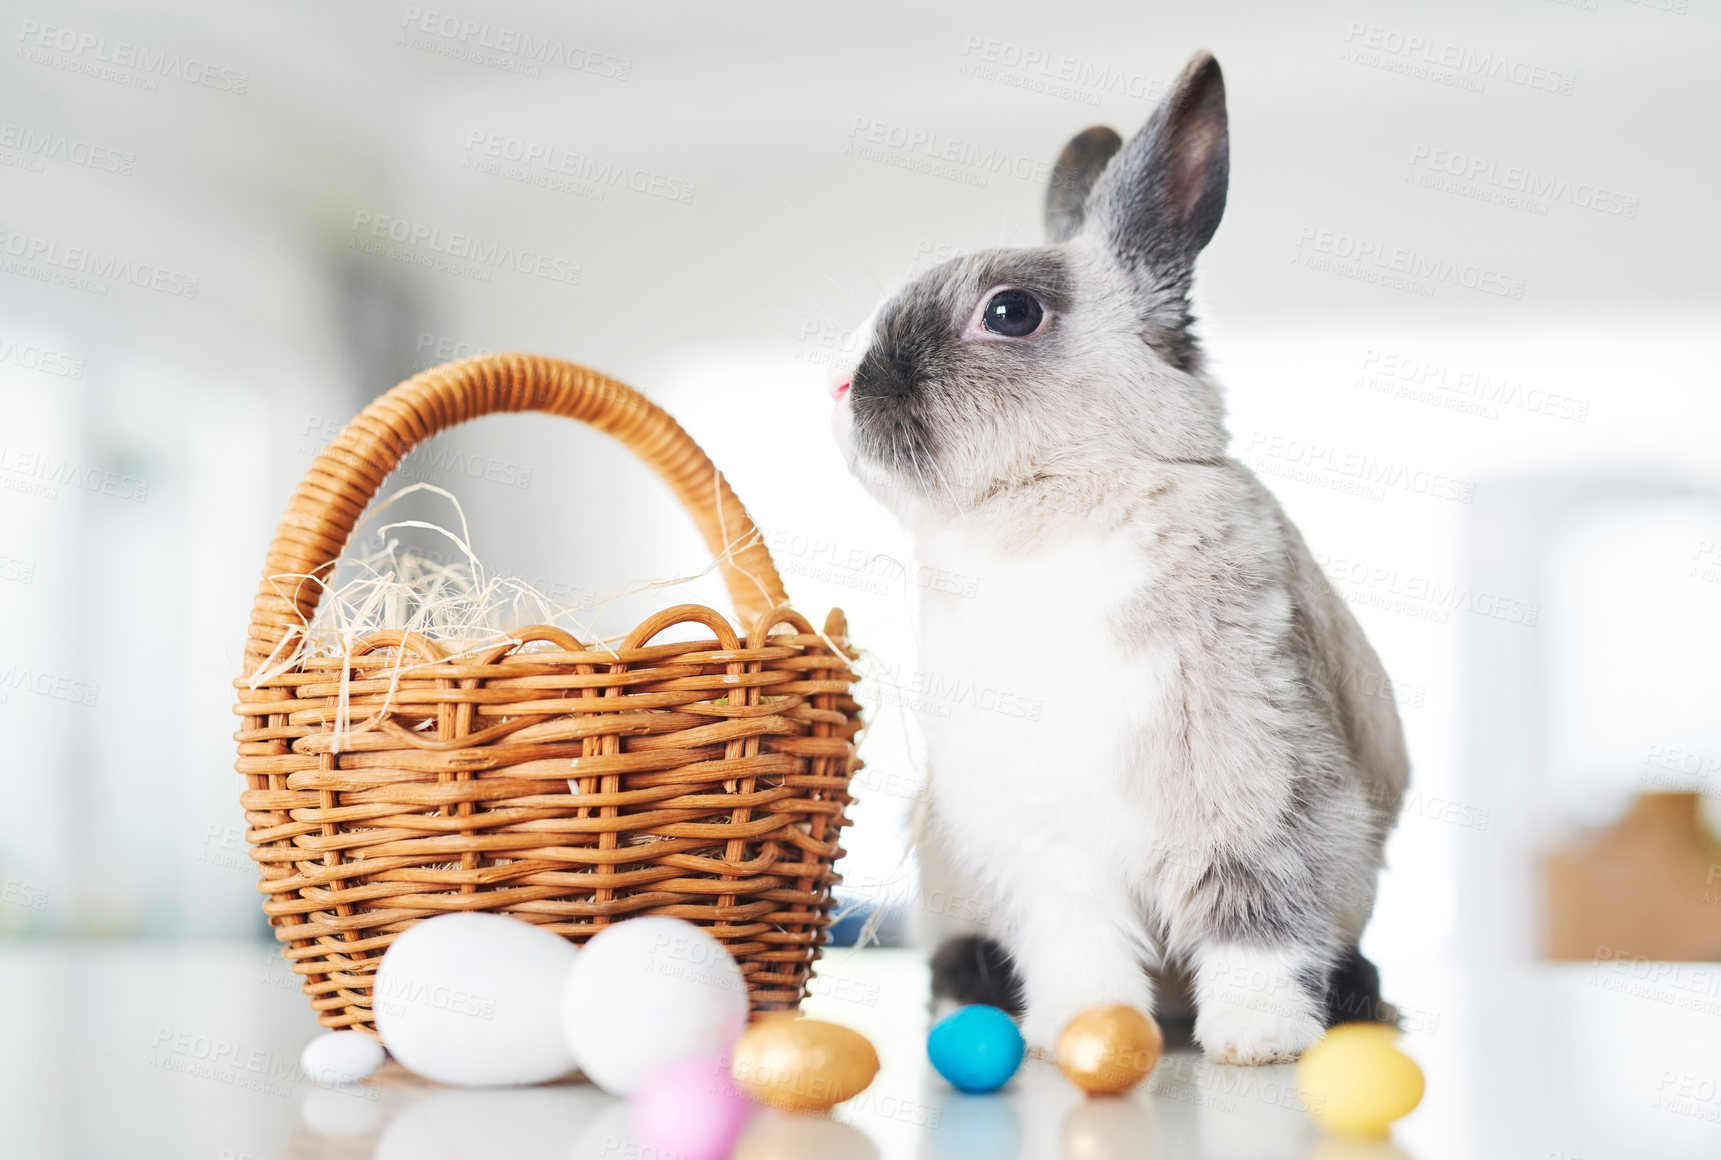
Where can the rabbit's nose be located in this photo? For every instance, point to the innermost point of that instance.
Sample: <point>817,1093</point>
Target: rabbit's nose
<point>840,387</point>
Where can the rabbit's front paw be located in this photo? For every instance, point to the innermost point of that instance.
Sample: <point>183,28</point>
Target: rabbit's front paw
<point>1251,1004</point>
<point>1234,1033</point>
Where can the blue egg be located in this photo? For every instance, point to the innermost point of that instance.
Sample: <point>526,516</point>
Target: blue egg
<point>976,1048</point>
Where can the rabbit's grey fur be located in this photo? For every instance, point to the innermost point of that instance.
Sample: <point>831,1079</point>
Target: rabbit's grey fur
<point>1148,740</point>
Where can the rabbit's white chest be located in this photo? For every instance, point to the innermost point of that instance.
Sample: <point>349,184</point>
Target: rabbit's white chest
<point>1031,702</point>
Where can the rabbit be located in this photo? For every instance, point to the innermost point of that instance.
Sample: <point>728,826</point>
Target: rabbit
<point>1149,744</point>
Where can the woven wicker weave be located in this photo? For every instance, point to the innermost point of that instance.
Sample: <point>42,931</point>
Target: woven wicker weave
<point>713,774</point>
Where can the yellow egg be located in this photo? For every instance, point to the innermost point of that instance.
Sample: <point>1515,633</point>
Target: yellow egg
<point>802,1065</point>
<point>1355,1081</point>
<point>1106,1050</point>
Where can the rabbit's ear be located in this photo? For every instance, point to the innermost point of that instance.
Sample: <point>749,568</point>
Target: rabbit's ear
<point>1073,177</point>
<point>1161,198</point>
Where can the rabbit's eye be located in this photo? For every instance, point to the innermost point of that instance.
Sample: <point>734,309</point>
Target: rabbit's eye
<point>1012,313</point>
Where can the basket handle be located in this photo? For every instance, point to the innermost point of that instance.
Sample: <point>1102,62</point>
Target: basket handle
<point>347,474</point>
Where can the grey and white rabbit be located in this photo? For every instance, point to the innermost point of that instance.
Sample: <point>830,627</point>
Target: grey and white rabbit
<point>1148,740</point>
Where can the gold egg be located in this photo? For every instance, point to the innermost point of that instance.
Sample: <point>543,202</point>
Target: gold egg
<point>1355,1081</point>
<point>1106,1050</point>
<point>802,1065</point>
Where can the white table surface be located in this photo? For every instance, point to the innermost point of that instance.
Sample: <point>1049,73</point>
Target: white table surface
<point>190,1051</point>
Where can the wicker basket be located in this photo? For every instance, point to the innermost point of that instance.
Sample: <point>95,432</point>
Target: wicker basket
<point>713,774</point>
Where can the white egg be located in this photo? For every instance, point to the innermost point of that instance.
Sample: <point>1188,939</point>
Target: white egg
<point>473,999</point>
<point>337,1057</point>
<point>647,992</point>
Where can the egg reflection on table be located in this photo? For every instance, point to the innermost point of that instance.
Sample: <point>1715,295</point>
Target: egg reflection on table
<point>608,1135</point>
<point>780,1136</point>
<point>472,999</point>
<point>689,1110</point>
<point>1356,1148</point>
<point>1110,1130</point>
<point>975,1127</point>
<point>479,1123</point>
<point>343,1110</point>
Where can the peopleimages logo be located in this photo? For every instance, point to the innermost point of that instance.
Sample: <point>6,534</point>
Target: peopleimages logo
<point>85,267</point>
<point>1421,597</point>
<point>1443,62</point>
<point>430,463</point>
<point>1512,186</point>
<point>42,474</point>
<point>25,894</point>
<point>555,168</point>
<point>55,686</point>
<point>45,360</point>
<point>1463,389</point>
<point>17,571</point>
<point>1363,473</point>
<point>935,694</point>
<point>121,61</point>
<point>35,146</point>
<point>503,48</point>
<point>453,252</point>
<point>1401,267</point>
<point>394,992</point>
<point>1050,73</point>
<point>938,154</point>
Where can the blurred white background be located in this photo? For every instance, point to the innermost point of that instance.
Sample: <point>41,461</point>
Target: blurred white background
<point>1463,302</point>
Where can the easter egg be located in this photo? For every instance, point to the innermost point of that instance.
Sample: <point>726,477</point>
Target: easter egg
<point>471,999</point>
<point>976,1048</point>
<point>1356,1081</point>
<point>802,1065</point>
<point>646,993</point>
<point>337,1057</point>
<point>1106,1050</point>
<point>689,1109</point>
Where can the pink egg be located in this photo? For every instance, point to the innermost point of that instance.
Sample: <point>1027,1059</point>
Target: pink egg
<point>691,1109</point>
